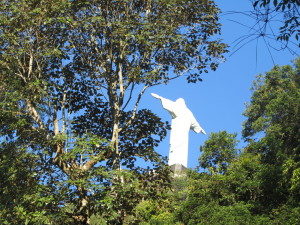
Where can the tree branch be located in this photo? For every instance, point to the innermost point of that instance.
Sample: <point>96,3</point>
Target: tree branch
<point>130,96</point>
<point>135,109</point>
<point>34,114</point>
<point>30,65</point>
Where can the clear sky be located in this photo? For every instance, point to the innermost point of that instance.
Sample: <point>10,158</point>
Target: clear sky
<point>219,101</point>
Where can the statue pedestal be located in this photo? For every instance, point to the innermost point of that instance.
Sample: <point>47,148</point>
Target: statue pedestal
<point>179,170</point>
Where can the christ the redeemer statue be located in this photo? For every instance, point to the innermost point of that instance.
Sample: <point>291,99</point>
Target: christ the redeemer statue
<point>182,121</point>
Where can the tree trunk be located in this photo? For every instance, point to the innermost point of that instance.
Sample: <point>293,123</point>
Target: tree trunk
<point>82,213</point>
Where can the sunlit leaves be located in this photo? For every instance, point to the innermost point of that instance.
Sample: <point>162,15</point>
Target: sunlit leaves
<point>218,151</point>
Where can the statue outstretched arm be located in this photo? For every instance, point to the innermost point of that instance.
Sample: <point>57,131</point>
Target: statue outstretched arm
<point>167,104</point>
<point>156,96</point>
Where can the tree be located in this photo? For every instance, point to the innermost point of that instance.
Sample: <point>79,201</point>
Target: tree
<point>69,72</point>
<point>218,151</point>
<point>272,129</point>
<point>29,44</point>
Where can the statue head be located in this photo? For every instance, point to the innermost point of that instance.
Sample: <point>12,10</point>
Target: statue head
<point>180,102</point>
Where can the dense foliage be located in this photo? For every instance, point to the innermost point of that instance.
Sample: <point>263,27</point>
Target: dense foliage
<point>218,152</point>
<point>72,74</point>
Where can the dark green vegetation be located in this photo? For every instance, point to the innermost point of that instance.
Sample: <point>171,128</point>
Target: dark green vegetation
<point>72,74</point>
<point>261,184</point>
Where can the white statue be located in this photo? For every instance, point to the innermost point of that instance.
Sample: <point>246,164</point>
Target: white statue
<point>182,121</point>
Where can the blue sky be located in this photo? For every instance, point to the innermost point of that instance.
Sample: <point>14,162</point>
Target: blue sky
<point>219,101</point>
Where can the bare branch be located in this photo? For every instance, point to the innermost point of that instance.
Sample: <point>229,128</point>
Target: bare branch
<point>121,83</point>
<point>35,114</point>
<point>130,96</point>
<point>30,65</point>
<point>55,122</point>
<point>134,109</point>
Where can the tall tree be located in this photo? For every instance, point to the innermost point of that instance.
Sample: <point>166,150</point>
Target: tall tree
<point>272,128</point>
<point>69,72</point>
<point>30,46</point>
<point>218,151</point>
